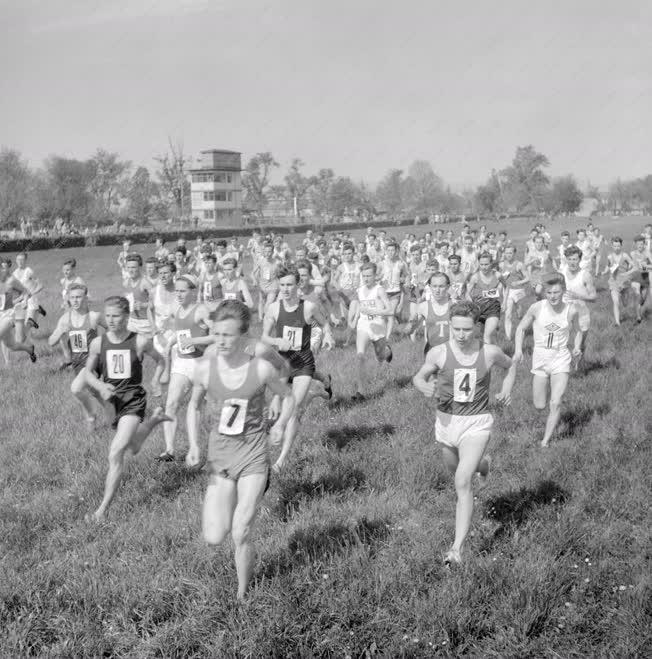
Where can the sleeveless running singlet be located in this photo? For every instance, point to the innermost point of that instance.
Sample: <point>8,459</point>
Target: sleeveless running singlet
<point>164,304</point>
<point>187,327</point>
<point>7,295</point>
<point>137,293</point>
<point>119,364</point>
<point>231,290</point>
<point>239,411</point>
<point>463,390</point>
<point>437,324</point>
<point>483,290</point>
<point>211,288</point>
<point>551,329</point>
<point>292,326</point>
<point>80,338</point>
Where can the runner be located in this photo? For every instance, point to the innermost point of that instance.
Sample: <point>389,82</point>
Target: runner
<point>393,274</point>
<point>514,278</point>
<point>265,278</point>
<point>78,326</point>
<point>417,281</point>
<point>642,260</point>
<point>163,302</point>
<point>486,290</point>
<point>210,291</point>
<point>433,313</point>
<point>367,316</point>
<point>539,264</point>
<point>114,370</point>
<point>234,384</point>
<point>580,289</point>
<point>458,279</point>
<point>233,286</point>
<point>551,319</point>
<point>621,269</point>
<point>463,425</point>
<point>587,246</point>
<point>189,320</point>
<point>287,326</point>
<point>12,292</point>
<point>26,312</point>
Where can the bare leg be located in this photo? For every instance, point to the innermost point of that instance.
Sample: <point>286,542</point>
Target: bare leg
<point>470,452</point>
<point>509,310</point>
<point>217,514</point>
<point>145,428</point>
<point>558,383</point>
<point>250,492</point>
<point>490,329</point>
<point>81,392</point>
<point>615,298</point>
<point>178,386</point>
<point>300,386</point>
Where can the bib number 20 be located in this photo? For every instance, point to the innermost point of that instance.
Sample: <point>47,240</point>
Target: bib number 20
<point>464,381</point>
<point>233,415</point>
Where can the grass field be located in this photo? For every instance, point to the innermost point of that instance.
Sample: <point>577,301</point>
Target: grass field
<point>351,536</point>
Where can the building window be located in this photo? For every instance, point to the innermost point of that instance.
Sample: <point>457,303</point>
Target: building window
<point>228,178</point>
<point>213,177</point>
<point>218,195</point>
<point>209,215</point>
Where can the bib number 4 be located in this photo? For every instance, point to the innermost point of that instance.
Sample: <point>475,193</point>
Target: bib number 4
<point>232,418</point>
<point>464,382</point>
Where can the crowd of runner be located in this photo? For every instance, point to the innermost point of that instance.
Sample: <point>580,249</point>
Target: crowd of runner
<point>190,310</point>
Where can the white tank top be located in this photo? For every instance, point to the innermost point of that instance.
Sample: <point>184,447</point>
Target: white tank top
<point>369,301</point>
<point>392,275</point>
<point>551,330</point>
<point>164,304</point>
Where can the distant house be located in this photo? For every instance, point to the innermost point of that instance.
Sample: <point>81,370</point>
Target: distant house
<point>216,188</point>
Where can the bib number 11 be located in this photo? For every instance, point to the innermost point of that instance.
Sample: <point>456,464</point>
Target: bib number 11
<point>232,418</point>
<point>464,382</point>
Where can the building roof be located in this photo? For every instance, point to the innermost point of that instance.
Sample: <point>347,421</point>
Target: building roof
<point>221,151</point>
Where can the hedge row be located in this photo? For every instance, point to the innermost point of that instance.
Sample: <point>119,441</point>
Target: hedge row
<point>143,237</point>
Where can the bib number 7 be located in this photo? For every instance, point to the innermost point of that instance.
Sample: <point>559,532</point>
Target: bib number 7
<point>232,417</point>
<point>464,382</point>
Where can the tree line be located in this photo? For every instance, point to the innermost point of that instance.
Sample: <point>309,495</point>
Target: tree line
<point>105,189</point>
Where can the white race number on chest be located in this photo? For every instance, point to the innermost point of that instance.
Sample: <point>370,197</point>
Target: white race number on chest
<point>294,336</point>
<point>118,364</point>
<point>78,340</point>
<point>233,415</point>
<point>464,381</point>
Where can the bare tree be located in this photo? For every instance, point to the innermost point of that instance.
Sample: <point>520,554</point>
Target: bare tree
<point>172,176</point>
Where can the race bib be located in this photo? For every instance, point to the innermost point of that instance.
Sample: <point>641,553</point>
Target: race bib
<point>267,275</point>
<point>118,364</point>
<point>492,292</point>
<point>184,334</point>
<point>208,291</point>
<point>455,290</point>
<point>232,418</point>
<point>130,299</point>
<point>464,380</point>
<point>78,340</point>
<point>230,296</point>
<point>294,336</point>
<point>414,279</point>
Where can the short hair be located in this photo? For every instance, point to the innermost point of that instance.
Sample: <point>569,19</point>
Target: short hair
<point>443,275</point>
<point>234,310</point>
<point>230,261</point>
<point>287,271</point>
<point>617,239</point>
<point>78,287</point>
<point>580,230</point>
<point>220,243</point>
<point>21,254</point>
<point>565,233</point>
<point>369,266</point>
<point>151,259</point>
<point>455,257</point>
<point>573,250</point>
<point>6,261</point>
<point>348,246</point>
<point>391,243</point>
<point>555,280</point>
<point>157,238</point>
<point>639,239</point>
<point>181,248</point>
<point>71,262</point>
<point>512,247</point>
<point>303,264</point>
<point>414,248</point>
<point>189,279</point>
<point>464,309</point>
<point>134,258</point>
<point>433,263</point>
<point>167,264</point>
<point>117,301</point>
<point>485,255</point>
<point>211,257</point>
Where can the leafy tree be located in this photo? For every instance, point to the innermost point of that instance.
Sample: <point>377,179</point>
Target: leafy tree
<point>423,190</point>
<point>255,180</point>
<point>345,197</point>
<point>142,196</point>
<point>564,196</point>
<point>64,189</point>
<point>320,191</point>
<point>526,182</point>
<point>297,185</point>
<point>16,188</point>
<point>108,183</point>
<point>488,198</point>
<point>174,182</point>
<point>389,192</point>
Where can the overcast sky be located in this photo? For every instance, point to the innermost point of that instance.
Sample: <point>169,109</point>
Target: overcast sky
<point>360,86</point>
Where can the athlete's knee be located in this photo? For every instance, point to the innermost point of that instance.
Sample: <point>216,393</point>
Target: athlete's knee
<point>462,481</point>
<point>215,534</point>
<point>539,404</point>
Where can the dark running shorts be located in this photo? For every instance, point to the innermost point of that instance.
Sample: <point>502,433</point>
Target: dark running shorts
<point>300,362</point>
<point>489,308</point>
<point>132,402</point>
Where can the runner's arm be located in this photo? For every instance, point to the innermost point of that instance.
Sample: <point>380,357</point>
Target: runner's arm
<point>61,328</point>
<point>423,379</point>
<point>244,289</point>
<point>526,323</point>
<point>103,388</point>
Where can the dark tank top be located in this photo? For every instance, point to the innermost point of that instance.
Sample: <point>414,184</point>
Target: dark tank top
<point>120,365</point>
<point>463,390</point>
<point>187,326</point>
<point>239,411</point>
<point>79,339</point>
<point>291,325</point>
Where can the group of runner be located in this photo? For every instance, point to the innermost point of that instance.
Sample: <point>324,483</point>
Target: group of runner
<point>190,310</point>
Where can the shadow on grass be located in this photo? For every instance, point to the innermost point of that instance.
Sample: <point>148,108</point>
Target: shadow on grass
<point>294,492</point>
<point>511,510</point>
<point>574,420</point>
<point>175,477</point>
<point>589,366</point>
<point>400,382</point>
<point>315,543</point>
<point>341,437</point>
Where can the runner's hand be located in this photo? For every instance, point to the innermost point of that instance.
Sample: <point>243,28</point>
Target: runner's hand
<point>426,388</point>
<point>274,408</point>
<point>106,392</point>
<point>284,345</point>
<point>517,357</point>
